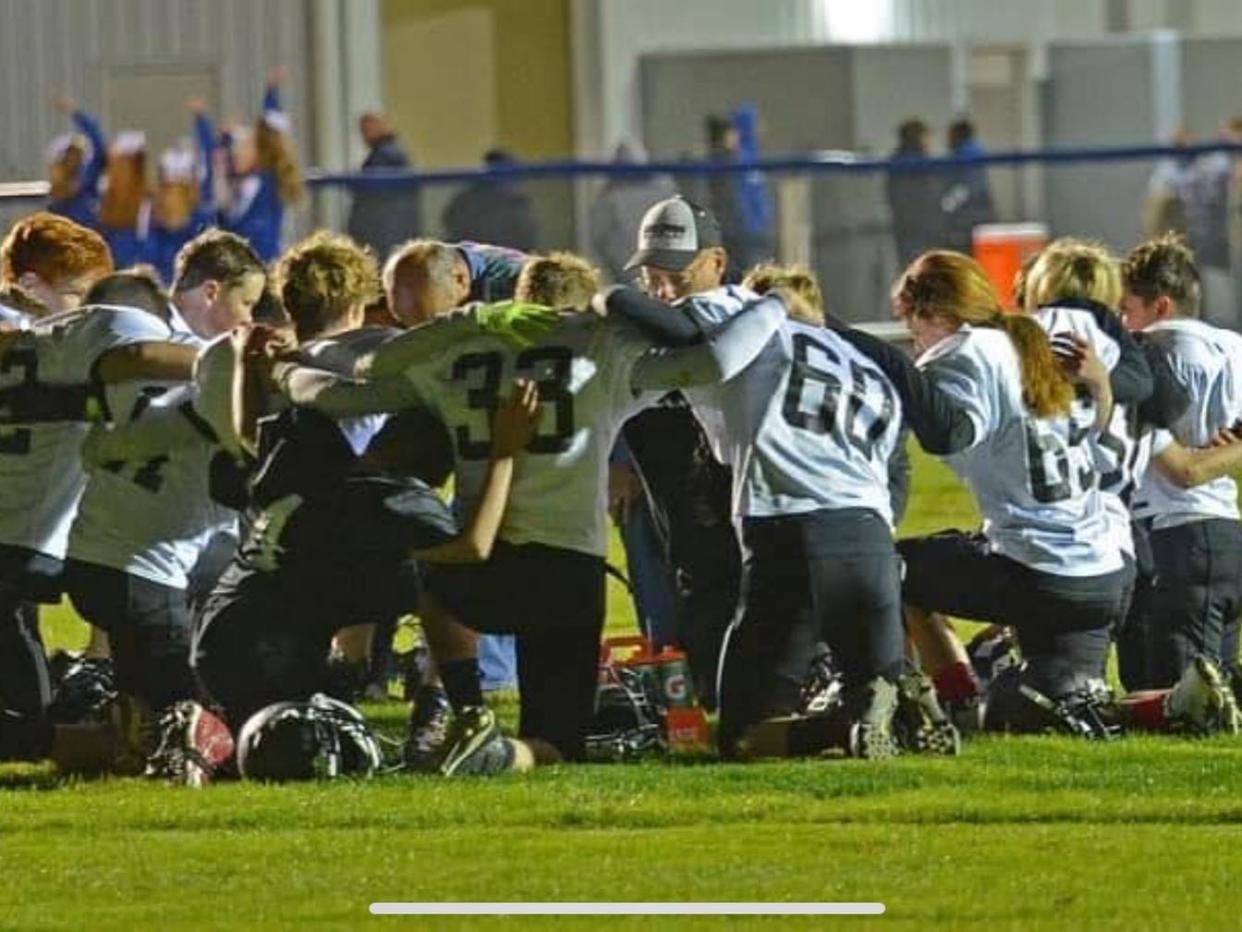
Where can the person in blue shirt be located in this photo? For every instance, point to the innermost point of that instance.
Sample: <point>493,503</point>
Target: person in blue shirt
<point>75,163</point>
<point>184,203</point>
<point>125,203</point>
<point>264,177</point>
<point>967,197</point>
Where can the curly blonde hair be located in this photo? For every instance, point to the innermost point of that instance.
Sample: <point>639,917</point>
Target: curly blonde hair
<point>323,278</point>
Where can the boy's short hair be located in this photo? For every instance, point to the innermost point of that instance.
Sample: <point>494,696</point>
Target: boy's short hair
<point>559,279</point>
<point>54,248</point>
<point>321,278</point>
<point>215,255</point>
<point>130,289</point>
<point>1164,268</point>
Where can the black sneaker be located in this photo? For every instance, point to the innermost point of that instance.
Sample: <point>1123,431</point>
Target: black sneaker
<point>85,693</point>
<point>427,729</point>
<point>920,724</point>
<point>475,746</point>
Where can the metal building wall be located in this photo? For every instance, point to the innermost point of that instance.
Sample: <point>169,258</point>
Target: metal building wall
<point>50,47</point>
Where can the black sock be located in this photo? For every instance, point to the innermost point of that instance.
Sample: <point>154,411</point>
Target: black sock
<point>463,683</point>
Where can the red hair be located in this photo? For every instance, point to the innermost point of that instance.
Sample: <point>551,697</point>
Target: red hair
<point>54,248</point>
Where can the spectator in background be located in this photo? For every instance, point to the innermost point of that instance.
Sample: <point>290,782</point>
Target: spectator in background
<point>619,208</point>
<point>740,200</point>
<point>383,217</point>
<point>1209,193</point>
<point>264,177</point>
<point>914,196</point>
<point>1163,210</point>
<point>184,203</point>
<point>493,210</point>
<point>125,203</point>
<point>967,198</point>
<point>75,163</point>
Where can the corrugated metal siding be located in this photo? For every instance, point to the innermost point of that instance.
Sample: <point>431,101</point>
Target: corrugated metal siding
<point>50,47</point>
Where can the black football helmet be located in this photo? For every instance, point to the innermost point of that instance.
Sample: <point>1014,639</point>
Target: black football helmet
<point>318,739</point>
<point>628,724</point>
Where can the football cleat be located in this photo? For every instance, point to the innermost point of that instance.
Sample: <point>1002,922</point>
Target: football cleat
<point>991,652</point>
<point>194,746</point>
<point>822,690</point>
<point>85,691</point>
<point>920,724</point>
<point>427,729</point>
<point>869,709</point>
<point>1201,702</point>
<point>475,746</point>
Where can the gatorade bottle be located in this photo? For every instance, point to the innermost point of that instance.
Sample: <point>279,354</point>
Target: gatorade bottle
<point>685,723</point>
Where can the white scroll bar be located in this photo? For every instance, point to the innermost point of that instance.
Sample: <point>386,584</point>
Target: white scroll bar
<point>627,909</point>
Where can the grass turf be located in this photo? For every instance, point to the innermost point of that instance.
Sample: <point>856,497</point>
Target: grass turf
<point>1017,833</point>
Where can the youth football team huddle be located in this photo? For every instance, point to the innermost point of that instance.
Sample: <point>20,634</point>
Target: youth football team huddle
<point>1097,427</point>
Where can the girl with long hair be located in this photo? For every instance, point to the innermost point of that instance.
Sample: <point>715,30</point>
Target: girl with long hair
<point>264,177</point>
<point>1047,562</point>
<point>75,163</point>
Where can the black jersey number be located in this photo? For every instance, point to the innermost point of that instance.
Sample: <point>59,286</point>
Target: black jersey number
<point>864,424</point>
<point>1124,447</point>
<point>148,475</point>
<point>1048,457</point>
<point>549,366</point>
<point>17,442</point>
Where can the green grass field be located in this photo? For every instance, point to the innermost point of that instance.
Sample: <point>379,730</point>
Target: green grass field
<point>1016,833</point>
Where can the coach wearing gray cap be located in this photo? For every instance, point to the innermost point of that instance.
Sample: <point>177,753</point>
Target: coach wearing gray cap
<point>680,254</point>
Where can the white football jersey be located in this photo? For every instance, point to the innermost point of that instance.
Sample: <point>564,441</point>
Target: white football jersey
<point>809,425</point>
<point>1034,478</point>
<point>41,474</point>
<point>583,369</point>
<point>1119,452</point>
<point>1207,362</point>
<point>153,518</point>
<point>340,354</point>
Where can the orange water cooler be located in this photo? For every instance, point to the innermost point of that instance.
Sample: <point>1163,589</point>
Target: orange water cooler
<point>1000,249</point>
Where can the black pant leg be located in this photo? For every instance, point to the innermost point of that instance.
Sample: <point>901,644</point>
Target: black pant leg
<point>25,685</point>
<point>771,644</point>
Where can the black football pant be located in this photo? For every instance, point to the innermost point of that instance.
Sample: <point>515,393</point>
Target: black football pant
<point>830,576</point>
<point>1063,623</point>
<point>1133,632</point>
<point>1196,598</point>
<point>552,600</point>
<point>26,577</point>
<point>148,627</point>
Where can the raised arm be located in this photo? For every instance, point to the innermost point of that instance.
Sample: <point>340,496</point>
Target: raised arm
<point>728,351</point>
<point>205,133</point>
<point>94,167</point>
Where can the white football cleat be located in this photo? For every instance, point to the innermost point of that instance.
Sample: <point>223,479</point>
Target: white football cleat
<point>1202,702</point>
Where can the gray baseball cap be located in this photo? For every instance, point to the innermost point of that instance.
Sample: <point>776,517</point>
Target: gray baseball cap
<point>672,233</point>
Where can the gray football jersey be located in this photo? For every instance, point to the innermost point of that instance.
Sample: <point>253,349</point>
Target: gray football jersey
<point>41,474</point>
<point>1033,478</point>
<point>809,425</point>
<point>583,369</point>
<point>1207,361</point>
